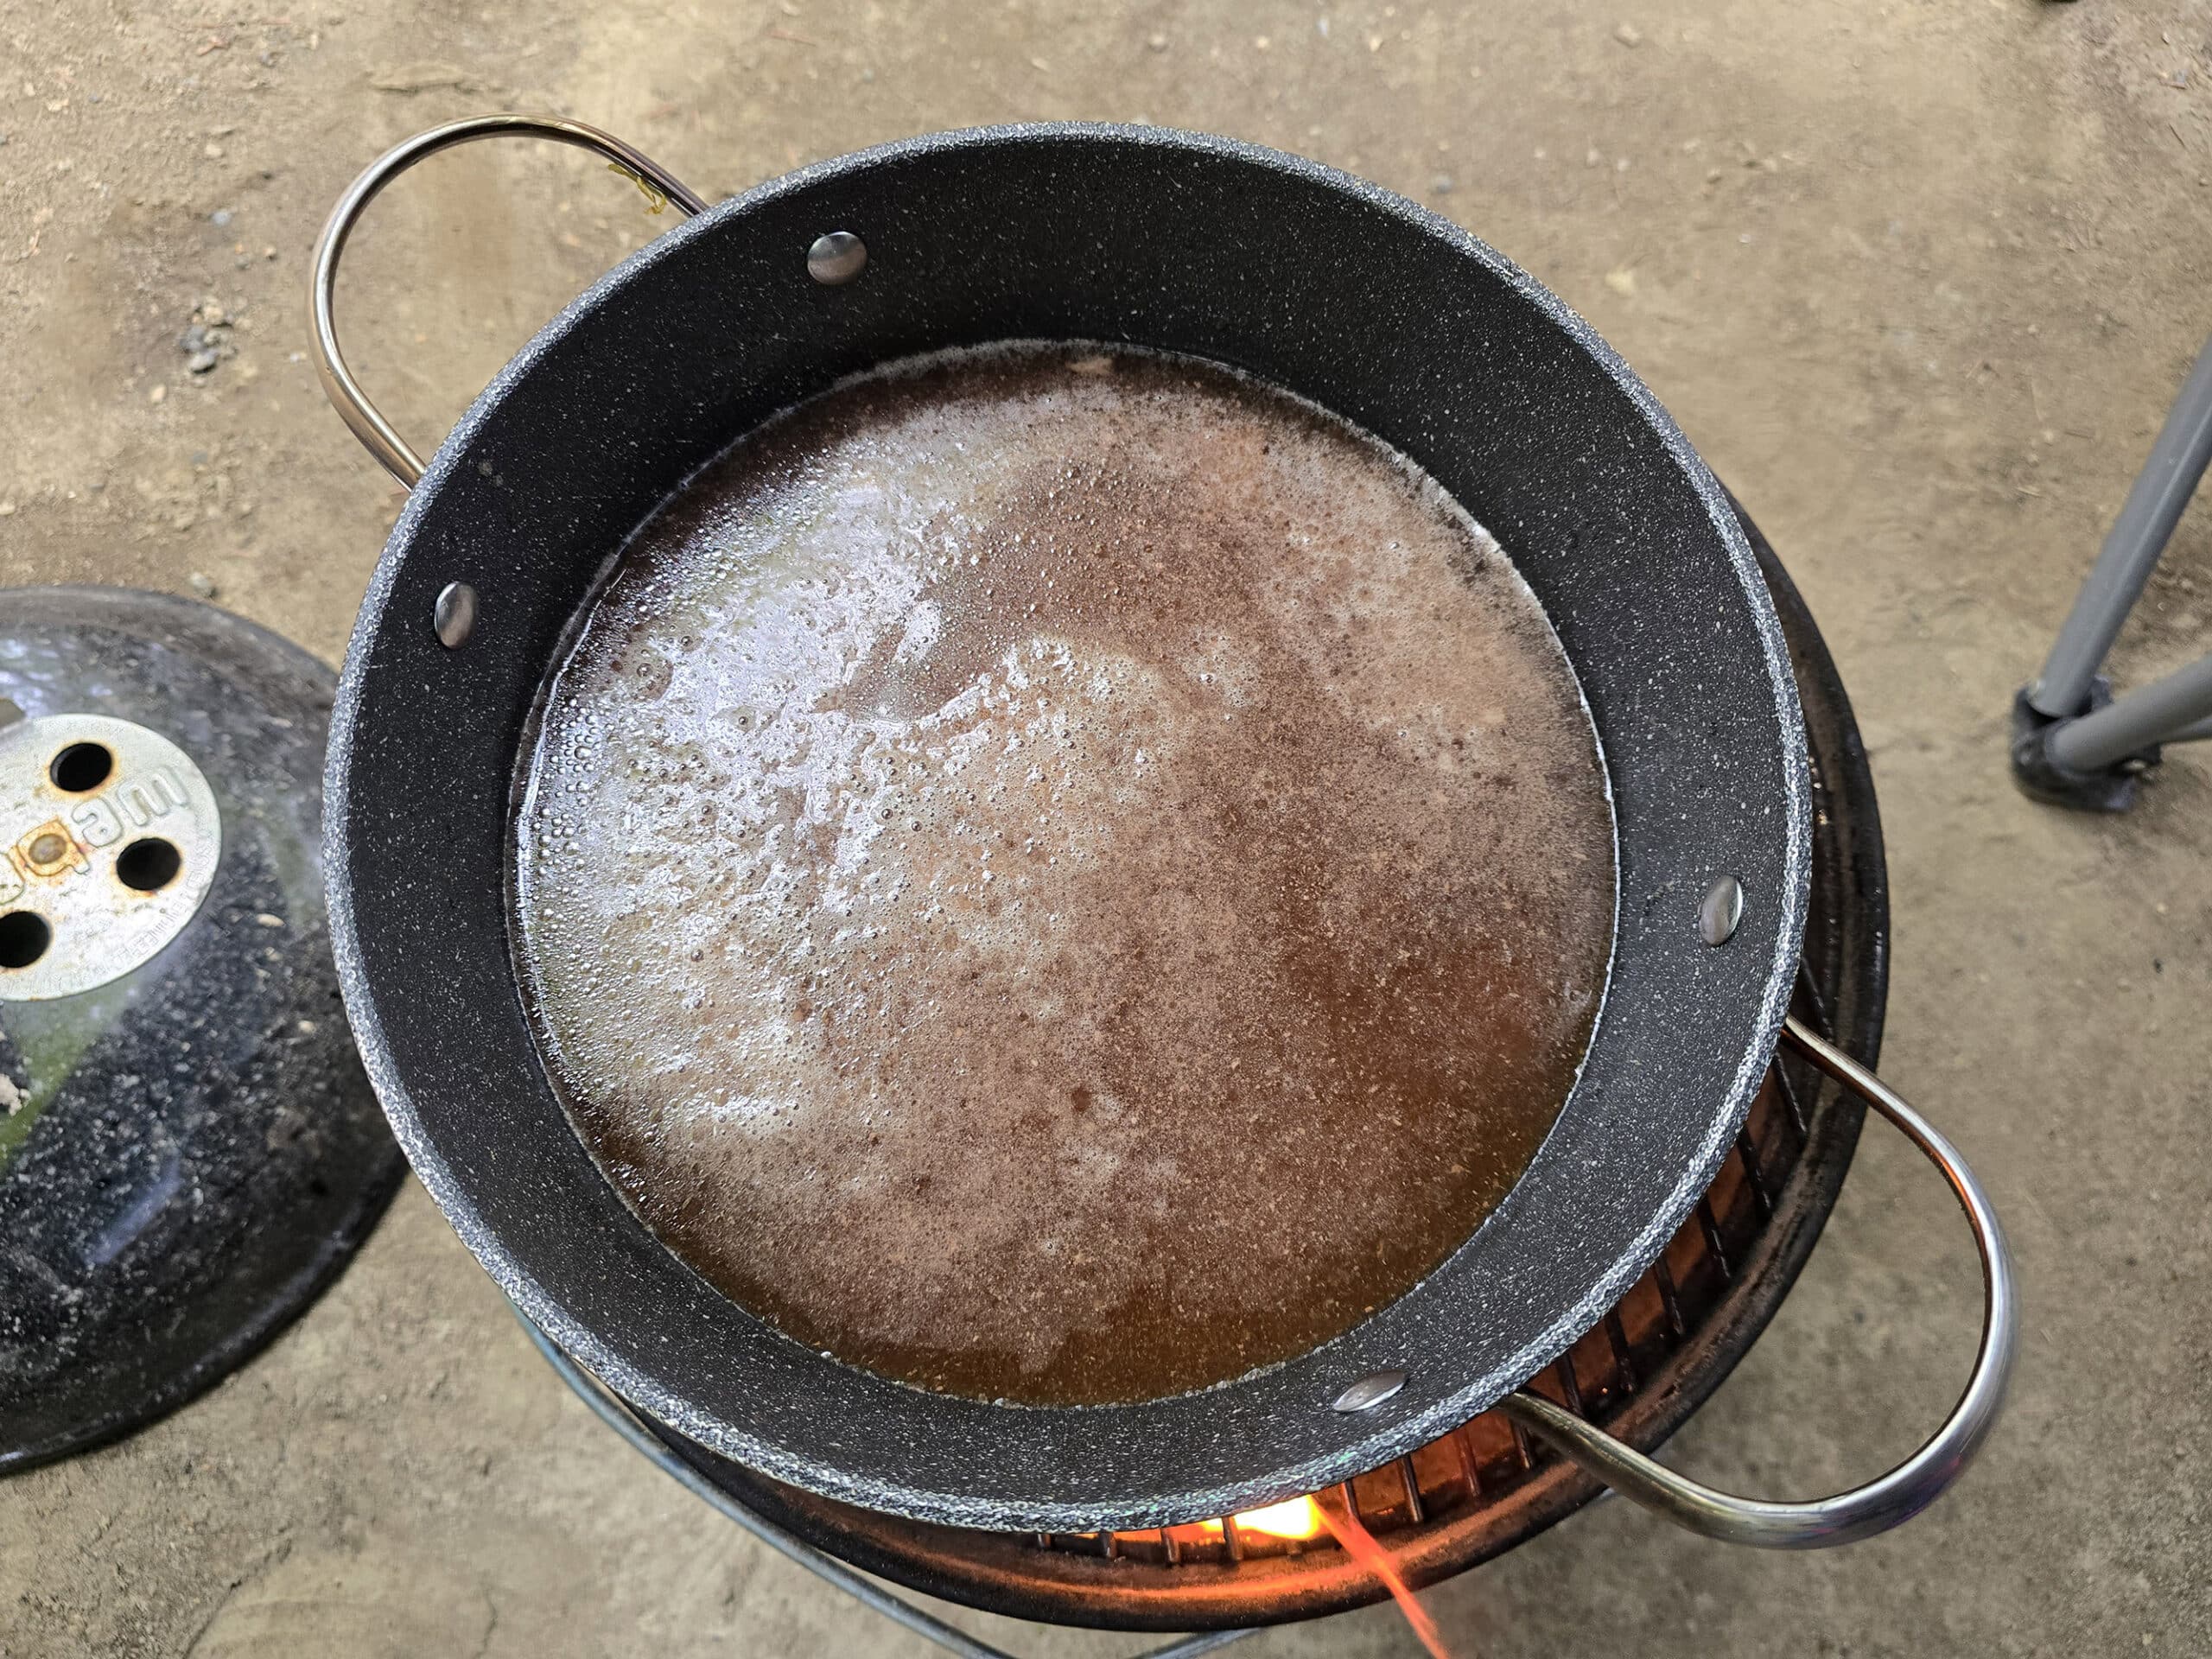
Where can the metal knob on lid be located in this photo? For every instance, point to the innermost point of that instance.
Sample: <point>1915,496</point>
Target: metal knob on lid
<point>110,837</point>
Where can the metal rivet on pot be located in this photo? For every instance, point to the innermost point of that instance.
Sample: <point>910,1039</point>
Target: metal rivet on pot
<point>836,258</point>
<point>454,616</point>
<point>1722,910</point>
<point>1370,1391</point>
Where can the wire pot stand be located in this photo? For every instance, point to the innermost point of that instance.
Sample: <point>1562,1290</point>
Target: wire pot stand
<point>2072,744</point>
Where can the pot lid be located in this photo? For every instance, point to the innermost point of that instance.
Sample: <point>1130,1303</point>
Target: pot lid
<point>189,1151</point>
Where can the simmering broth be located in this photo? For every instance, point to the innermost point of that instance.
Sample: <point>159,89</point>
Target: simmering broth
<point>1064,874</point>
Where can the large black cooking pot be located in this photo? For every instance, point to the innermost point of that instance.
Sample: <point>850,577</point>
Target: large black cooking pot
<point>1363,302</point>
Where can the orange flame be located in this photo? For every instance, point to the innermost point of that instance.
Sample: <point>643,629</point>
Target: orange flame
<point>1294,1520</point>
<point>1360,1545</point>
<point>1300,1518</point>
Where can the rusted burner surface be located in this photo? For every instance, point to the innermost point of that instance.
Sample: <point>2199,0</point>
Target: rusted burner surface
<point>1645,1367</point>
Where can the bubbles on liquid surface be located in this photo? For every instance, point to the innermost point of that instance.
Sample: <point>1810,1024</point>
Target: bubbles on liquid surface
<point>1063,875</point>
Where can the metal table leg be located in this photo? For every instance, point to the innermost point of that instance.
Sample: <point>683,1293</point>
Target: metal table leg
<point>2071,744</point>
<point>2171,711</point>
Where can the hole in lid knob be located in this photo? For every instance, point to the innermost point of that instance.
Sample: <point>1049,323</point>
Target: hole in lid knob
<point>149,865</point>
<point>80,767</point>
<point>23,938</point>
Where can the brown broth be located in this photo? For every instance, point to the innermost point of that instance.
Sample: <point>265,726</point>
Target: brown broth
<point>1063,875</point>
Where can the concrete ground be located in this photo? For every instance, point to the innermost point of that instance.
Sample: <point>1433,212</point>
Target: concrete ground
<point>1917,278</point>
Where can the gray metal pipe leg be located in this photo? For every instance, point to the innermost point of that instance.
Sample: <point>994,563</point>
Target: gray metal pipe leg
<point>2131,550</point>
<point>2157,714</point>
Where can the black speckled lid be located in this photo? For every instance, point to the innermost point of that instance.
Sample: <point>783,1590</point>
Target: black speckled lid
<point>190,1152</point>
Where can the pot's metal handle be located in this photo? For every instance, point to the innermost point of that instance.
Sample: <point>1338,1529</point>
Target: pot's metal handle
<point>1880,1505</point>
<point>345,392</point>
